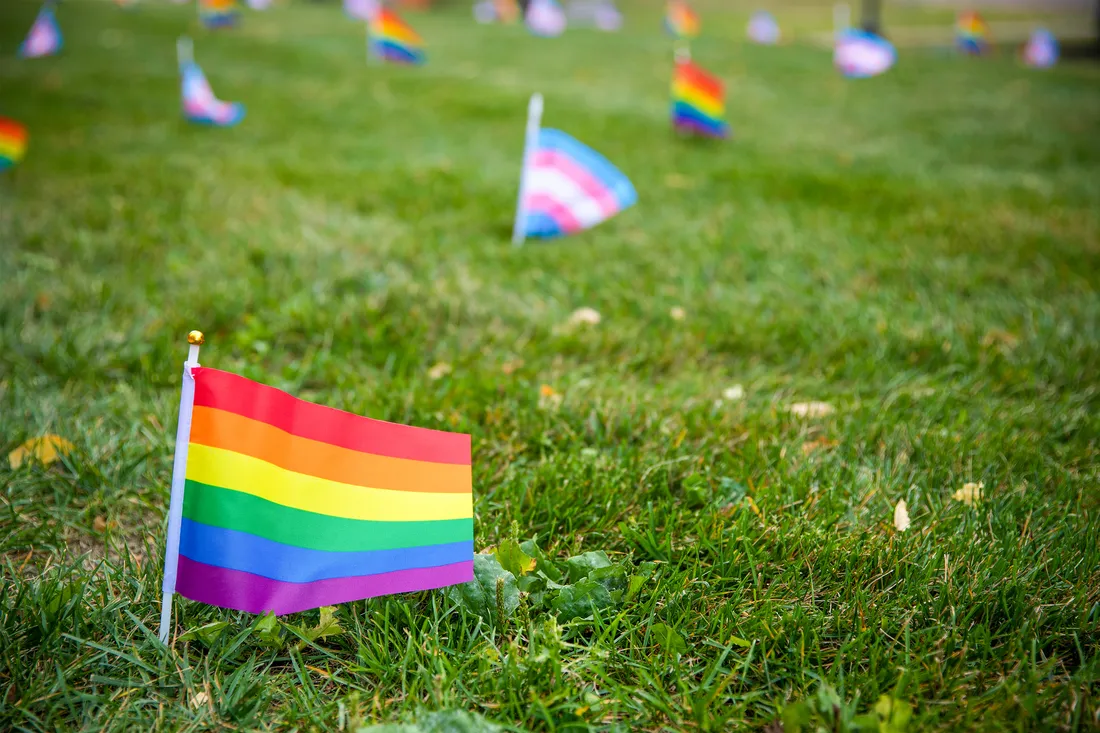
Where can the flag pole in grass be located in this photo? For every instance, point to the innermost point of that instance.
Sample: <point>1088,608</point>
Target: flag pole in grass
<point>179,465</point>
<point>530,144</point>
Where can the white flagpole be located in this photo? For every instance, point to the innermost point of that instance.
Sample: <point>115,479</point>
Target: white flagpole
<point>842,17</point>
<point>185,52</point>
<point>530,145</point>
<point>179,471</point>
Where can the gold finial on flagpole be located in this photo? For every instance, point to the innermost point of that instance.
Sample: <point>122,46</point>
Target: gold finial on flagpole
<point>195,338</point>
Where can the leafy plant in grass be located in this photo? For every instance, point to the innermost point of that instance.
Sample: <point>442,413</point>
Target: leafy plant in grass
<point>520,575</point>
<point>827,712</point>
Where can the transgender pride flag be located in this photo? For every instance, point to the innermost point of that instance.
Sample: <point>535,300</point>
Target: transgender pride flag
<point>566,187</point>
<point>284,505</point>
<point>199,103</point>
<point>44,38</point>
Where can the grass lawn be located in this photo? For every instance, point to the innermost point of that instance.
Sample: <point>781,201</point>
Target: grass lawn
<point>920,251</point>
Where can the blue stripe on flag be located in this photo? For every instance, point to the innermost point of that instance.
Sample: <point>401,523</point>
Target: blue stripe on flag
<point>682,111</point>
<point>227,548</point>
<point>397,52</point>
<point>541,225</point>
<point>600,168</point>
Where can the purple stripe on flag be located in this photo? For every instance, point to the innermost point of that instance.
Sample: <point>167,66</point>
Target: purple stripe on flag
<point>255,594</point>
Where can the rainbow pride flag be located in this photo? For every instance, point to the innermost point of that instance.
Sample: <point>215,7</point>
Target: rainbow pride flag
<point>289,505</point>
<point>680,20</point>
<point>44,37</point>
<point>391,39</point>
<point>218,13</point>
<point>13,142</point>
<point>971,33</point>
<point>698,102</point>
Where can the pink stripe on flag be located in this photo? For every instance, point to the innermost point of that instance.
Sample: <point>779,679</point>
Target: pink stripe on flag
<point>542,204</point>
<point>579,175</point>
<point>256,594</point>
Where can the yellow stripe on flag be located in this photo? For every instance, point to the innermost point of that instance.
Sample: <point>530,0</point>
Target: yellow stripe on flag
<point>238,472</point>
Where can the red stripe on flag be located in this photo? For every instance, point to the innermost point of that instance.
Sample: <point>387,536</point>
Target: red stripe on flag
<point>233,393</point>
<point>701,80</point>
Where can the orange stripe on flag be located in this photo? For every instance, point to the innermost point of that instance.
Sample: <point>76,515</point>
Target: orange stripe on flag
<point>227,430</point>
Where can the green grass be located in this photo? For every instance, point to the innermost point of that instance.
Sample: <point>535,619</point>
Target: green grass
<point>921,250</point>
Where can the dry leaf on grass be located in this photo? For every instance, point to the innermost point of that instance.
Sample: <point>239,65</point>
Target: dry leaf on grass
<point>198,699</point>
<point>820,443</point>
<point>677,313</point>
<point>510,366</point>
<point>45,450</point>
<point>969,494</point>
<point>901,516</point>
<point>586,316</point>
<point>549,398</point>
<point>734,393</point>
<point>811,409</point>
<point>439,371</point>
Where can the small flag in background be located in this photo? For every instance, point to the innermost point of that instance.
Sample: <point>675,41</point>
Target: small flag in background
<point>971,33</point>
<point>698,102</point>
<point>259,4</point>
<point>44,38</point>
<point>361,9</point>
<point>680,20</point>
<point>218,13</point>
<point>763,28</point>
<point>601,14</point>
<point>13,143</point>
<point>496,11</point>
<point>391,39</point>
<point>859,54</point>
<point>199,103</point>
<point>1041,50</point>
<point>290,505</point>
<point>565,187</point>
<point>545,18</point>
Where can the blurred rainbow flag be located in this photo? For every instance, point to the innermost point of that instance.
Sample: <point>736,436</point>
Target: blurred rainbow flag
<point>971,33</point>
<point>284,505</point>
<point>698,102</point>
<point>218,13</point>
<point>391,39</point>
<point>680,20</point>
<point>13,143</point>
<point>44,37</point>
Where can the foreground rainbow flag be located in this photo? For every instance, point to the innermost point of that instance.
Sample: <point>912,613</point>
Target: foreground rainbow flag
<point>288,505</point>
<point>698,102</point>
<point>13,143</point>
<point>680,20</point>
<point>391,39</point>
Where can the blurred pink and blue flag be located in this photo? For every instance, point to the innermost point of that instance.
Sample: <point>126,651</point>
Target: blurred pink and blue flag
<point>566,186</point>
<point>545,18</point>
<point>44,38</point>
<point>361,9</point>
<point>860,54</point>
<point>199,103</point>
<point>1041,50</point>
<point>763,28</point>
